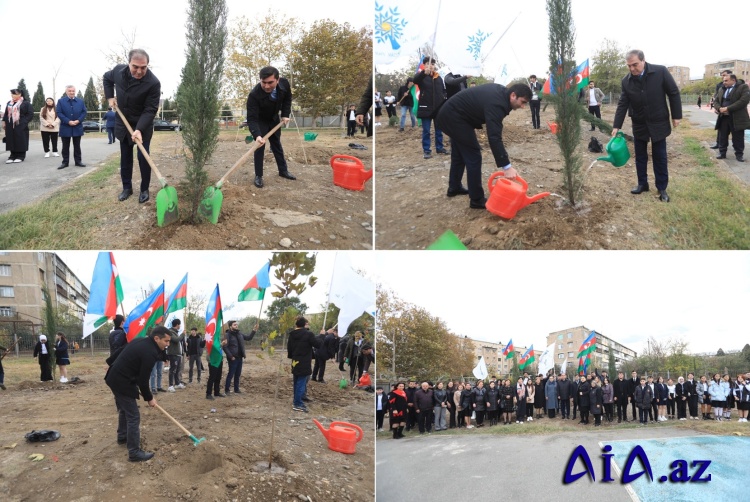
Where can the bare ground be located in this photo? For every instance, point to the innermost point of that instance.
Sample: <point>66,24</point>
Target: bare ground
<point>86,464</point>
<point>311,211</point>
<point>413,211</point>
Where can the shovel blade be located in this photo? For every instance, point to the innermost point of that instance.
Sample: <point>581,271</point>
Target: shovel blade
<point>210,205</point>
<point>166,206</point>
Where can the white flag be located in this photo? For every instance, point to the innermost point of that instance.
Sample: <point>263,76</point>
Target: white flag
<point>402,28</point>
<point>480,371</point>
<point>177,314</point>
<point>350,292</point>
<point>564,366</point>
<point>546,361</point>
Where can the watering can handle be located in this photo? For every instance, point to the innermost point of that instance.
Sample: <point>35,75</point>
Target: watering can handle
<point>346,157</point>
<point>347,424</point>
<point>246,156</point>
<point>502,173</point>
<point>141,147</point>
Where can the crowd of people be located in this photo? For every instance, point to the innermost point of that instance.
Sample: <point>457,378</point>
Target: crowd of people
<point>454,404</point>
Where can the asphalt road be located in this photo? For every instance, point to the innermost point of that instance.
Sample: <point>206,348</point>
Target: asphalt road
<point>37,178</point>
<point>483,467</point>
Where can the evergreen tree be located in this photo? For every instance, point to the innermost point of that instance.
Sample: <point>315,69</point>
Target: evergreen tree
<point>612,366</point>
<point>50,326</point>
<point>79,95</point>
<point>226,112</point>
<point>37,101</point>
<point>24,91</point>
<point>199,93</point>
<point>90,100</point>
<point>167,109</point>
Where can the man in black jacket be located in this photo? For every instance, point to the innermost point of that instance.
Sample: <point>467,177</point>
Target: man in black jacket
<point>273,95</point>
<point>466,111</point>
<point>535,103</point>
<point>431,98</point>
<point>128,373</point>
<point>406,103</point>
<point>411,416</point>
<point>329,344</point>
<point>455,84</point>
<point>117,337</point>
<point>194,345</point>
<point>423,405</point>
<point>299,349</point>
<point>644,98</point>
<point>137,92</point>
<point>235,351</point>
<point>715,146</point>
<point>632,384</point>
<point>564,392</point>
<point>620,395</point>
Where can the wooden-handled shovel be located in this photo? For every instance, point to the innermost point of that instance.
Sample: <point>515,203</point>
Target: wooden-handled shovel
<point>166,198</point>
<point>210,205</point>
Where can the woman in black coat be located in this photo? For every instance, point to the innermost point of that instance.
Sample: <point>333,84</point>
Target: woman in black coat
<point>480,402</point>
<point>18,114</point>
<point>506,401</point>
<point>42,351</point>
<point>596,396</point>
<point>584,400</point>
<point>493,396</point>
<point>61,356</point>
<point>397,410</point>
<point>539,397</point>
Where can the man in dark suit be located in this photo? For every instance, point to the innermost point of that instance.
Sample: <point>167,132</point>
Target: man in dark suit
<point>692,401</point>
<point>730,103</point>
<point>535,103</point>
<point>129,372</point>
<point>644,98</point>
<point>620,391</point>
<point>632,384</point>
<point>715,146</point>
<point>269,99</point>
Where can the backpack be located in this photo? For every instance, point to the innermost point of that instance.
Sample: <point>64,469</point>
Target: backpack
<point>595,145</point>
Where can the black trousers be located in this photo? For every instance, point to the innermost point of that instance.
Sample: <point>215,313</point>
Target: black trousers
<point>424,418</point>
<point>608,411</point>
<point>643,415</point>
<point>596,112</point>
<point>565,408</point>
<point>693,405</point>
<point>466,155</point>
<point>351,128</point>
<point>622,410</point>
<point>575,407</point>
<point>319,368</point>
<point>632,406</point>
<point>479,416</point>
<point>214,379</point>
<point>126,164</point>
<point>411,418</point>
<point>379,416</point>
<point>45,370</point>
<point>681,405</point>
<point>724,124</point>
<point>670,407</point>
<point>76,150</point>
<point>46,137</point>
<point>535,105</point>
<point>174,370</point>
<point>452,417</point>
<point>658,158</point>
<point>276,149</point>
<point>129,422</point>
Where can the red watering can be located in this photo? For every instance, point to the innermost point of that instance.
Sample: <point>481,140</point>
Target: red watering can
<point>349,172</point>
<point>507,196</point>
<point>342,436</point>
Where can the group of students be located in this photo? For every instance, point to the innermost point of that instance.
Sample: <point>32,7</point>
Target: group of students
<point>454,405</point>
<point>43,353</point>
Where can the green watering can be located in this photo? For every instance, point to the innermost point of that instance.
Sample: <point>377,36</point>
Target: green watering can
<point>617,148</point>
<point>447,242</point>
<point>310,136</point>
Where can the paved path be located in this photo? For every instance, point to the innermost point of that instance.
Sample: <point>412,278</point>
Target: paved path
<point>483,467</point>
<point>37,178</point>
<point>706,118</point>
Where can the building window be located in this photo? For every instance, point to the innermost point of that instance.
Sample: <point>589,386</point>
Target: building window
<point>560,346</point>
<point>6,292</point>
<point>6,311</point>
<point>570,335</point>
<point>571,354</point>
<point>5,270</point>
<point>561,356</point>
<point>570,345</point>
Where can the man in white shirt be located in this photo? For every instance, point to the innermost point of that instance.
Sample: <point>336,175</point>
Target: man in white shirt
<point>535,102</point>
<point>595,97</point>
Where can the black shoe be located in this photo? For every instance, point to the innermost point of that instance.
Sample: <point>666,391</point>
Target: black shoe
<point>739,158</point>
<point>640,189</point>
<point>321,381</point>
<point>220,395</point>
<point>141,456</point>
<point>209,397</point>
<point>62,166</point>
<point>715,146</point>
<point>259,181</point>
<point>143,197</point>
<point>663,196</point>
<point>478,204</point>
<point>122,440</point>
<point>126,192</point>
<point>287,175</point>
<point>458,191</point>
<point>307,399</point>
<point>237,391</point>
<point>443,152</point>
<point>427,156</point>
<point>80,164</point>
<point>160,390</point>
<point>721,156</point>
<point>401,130</point>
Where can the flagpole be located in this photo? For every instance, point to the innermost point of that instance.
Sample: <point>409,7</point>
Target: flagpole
<point>330,286</point>
<point>498,40</point>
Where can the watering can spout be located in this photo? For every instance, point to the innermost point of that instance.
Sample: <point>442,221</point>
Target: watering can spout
<point>366,175</point>
<point>322,429</point>
<point>536,197</point>
<point>608,158</point>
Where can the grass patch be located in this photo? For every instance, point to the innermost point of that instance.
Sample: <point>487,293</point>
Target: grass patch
<point>710,210</point>
<point>65,220</point>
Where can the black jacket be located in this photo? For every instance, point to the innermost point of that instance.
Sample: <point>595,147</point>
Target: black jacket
<point>564,389</point>
<point>236,343</point>
<point>423,399</point>
<point>431,94</point>
<point>404,97</point>
<point>480,398</point>
<point>261,108</point>
<point>454,84</point>
<point>620,391</point>
<point>632,384</point>
<point>130,369</point>
<point>299,349</point>
<point>484,104</point>
<point>17,136</point>
<point>597,398</point>
<point>195,344</point>
<point>117,340</point>
<point>137,99</point>
<point>329,347</point>
<point>645,101</point>
<point>584,393</point>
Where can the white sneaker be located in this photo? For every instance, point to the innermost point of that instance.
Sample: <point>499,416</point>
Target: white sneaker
<point>166,369</point>
<point>682,419</point>
<point>63,380</point>
<point>17,161</point>
<point>180,386</point>
<point>55,154</point>
<point>469,426</point>
<point>170,388</point>
<point>8,161</point>
<point>46,155</point>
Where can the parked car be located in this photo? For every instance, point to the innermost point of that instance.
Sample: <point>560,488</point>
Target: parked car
<point>90,125</point>
<point>163,125</point>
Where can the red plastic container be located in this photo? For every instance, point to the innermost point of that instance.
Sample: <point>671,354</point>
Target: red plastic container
<point>508,196</point>
<point>349,172</point>
<point>342,436</point>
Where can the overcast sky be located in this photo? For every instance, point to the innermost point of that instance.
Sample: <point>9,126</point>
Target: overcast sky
<point>700,297</point>
<point>43,35</point>
<point>669,33</point>
<point>230,269</point>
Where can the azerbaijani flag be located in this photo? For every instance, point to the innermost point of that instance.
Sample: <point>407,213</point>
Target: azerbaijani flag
<point>415,88</point>
<point>527,358</point>
<point>214,321</point>
<point>509,350</point>
<point>105,293</point>
<point>178,298</point>
<point>255,289</point>
<point>583,364</point>
<point>149,313</point>
<point>581,79</point>
<point>588,346</point>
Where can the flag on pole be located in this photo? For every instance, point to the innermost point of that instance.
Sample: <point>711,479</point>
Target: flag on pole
<point>509,350</point>
<point>350,292</point>
<point>546,360</point>
<point>255,289</point>
<point>178,298</point>
<point>581,79</point>
<point>588,346</point>
<point>480,370</point>
<point>214,321</point>
<point>401,28</point>
<point>105,293</point>
<point>564,366</point>
<point>527,358</point>
<point>146,315</point>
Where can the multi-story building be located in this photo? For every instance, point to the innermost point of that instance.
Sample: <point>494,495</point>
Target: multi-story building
<point>496,362</point>
<point>681,75</point>
<point>22,276</point>
<point>568,341</point>
<point>739,67</point>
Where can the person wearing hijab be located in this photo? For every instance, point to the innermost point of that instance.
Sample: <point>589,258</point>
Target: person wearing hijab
<point>18,114</point>
<point>42,351</point>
